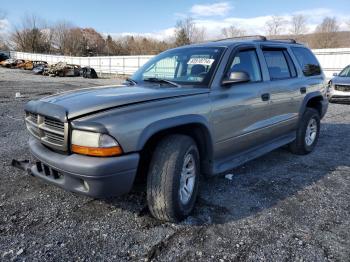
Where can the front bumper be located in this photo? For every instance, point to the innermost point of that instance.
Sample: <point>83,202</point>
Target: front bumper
<point>98,177</point>
<point>338,96</point>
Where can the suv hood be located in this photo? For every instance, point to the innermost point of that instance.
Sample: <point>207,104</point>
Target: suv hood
<point>75,103</point>
<point>341,80</point>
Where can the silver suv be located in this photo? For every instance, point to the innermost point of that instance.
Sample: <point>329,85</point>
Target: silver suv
<point>195,110</point>
<point>339,87</point>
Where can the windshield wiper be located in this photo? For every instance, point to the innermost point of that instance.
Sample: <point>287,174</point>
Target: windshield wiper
<point>131,81</point>
<point>160,80</point>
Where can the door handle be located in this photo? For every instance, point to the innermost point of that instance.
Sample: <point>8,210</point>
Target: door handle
<point>303,90</point>
<point>265,97</point>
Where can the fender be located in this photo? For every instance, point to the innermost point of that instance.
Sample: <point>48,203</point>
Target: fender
<point>167,123</point>
<point>308,97</point>
<point>205,140</point>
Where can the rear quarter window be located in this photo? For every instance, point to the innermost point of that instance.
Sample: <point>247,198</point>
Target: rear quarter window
<point>307,61</point>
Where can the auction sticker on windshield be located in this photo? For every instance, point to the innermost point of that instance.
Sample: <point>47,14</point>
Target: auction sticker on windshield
<point>200,61</point>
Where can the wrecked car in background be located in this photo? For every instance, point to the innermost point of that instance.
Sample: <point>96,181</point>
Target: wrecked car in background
<point>62,69</point>
<point>27,65</point>
<point>39,67</point>
<point>3,57</point>
<point>88,72</point>
<point>30,65</point>
<point>11,63</point>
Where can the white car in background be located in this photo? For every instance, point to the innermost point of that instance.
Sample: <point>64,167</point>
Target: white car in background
<point>339,86</point>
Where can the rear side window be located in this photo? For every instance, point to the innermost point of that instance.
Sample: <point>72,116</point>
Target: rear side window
<point>307,61</point>
<point>279,64</point>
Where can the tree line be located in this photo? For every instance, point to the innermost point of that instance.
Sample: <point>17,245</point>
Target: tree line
<point>34,35</point>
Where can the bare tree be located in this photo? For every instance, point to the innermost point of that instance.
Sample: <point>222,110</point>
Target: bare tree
<point>32,36</point>
<point>2,26</point>
<point>298,25</point>
<point>187,28</point>
<point>325,33</point>
<point>275,25</point>
<point>348,23</point>
<point>61,34</point>
<point>232,31</point>
<point>328,25</point>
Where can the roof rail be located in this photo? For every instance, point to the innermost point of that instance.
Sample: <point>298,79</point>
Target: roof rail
<point>252,37</point>
<point>285,40</point>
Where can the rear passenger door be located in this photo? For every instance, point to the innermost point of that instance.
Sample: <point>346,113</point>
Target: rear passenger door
<point>286,90</point>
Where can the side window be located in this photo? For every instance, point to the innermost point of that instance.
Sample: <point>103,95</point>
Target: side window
<point>279,64</point>
<point>247,61</point>
<point>307,61</point>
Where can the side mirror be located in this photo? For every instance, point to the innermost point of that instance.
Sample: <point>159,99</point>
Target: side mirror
<point>335,74</point>
<point>236,77</point>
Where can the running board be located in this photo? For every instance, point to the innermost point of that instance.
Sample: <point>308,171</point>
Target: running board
<point>250,154</point>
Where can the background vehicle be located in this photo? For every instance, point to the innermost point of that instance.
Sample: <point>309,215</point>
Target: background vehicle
<point>339,86</point>
<point>196,110</point>
<point>3,57</point>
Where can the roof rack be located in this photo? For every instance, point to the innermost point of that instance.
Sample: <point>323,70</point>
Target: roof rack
<point>285,40</point>
<point>252,37</point>
<point>257,38</point>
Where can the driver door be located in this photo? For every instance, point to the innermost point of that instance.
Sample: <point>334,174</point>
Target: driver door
<point>241,111</point>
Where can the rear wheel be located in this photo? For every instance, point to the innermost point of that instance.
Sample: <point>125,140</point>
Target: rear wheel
<point>172,182</point>
<point>307,133</point>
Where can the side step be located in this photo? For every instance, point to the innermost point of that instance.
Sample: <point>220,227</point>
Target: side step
<point>250,154</point>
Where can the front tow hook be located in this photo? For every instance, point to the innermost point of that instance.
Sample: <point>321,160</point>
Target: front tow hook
<point>22,164</point>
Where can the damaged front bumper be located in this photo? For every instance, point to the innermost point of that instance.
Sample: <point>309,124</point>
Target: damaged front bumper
<point>93,176</point>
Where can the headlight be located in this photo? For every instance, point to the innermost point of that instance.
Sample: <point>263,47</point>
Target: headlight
<point>94,144</point>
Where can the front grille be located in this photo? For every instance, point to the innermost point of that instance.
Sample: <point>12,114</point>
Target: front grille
<point>33,117</point>
<point>342,88</point>
<point>49,131</point>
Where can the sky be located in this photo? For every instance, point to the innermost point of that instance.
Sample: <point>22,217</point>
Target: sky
<point>158,18</point>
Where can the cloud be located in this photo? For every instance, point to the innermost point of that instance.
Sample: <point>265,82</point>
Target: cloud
<point>4,24</point>
<point>251,25</point>
<point>216,9</point>
<point>4,28</point>
<point>165,34</point>
<point>256,25</point>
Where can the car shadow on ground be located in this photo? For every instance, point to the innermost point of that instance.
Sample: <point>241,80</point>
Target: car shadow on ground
<point>259,184</point>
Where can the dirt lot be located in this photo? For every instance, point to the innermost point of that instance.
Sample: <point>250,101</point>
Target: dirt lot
<point>280,207</point>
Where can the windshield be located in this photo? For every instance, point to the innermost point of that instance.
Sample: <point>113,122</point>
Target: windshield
<point>183,66</point>
<point>345,72</point>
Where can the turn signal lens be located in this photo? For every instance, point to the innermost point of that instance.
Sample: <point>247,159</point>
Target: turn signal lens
<point>97,151</point>
<point>94,144</point>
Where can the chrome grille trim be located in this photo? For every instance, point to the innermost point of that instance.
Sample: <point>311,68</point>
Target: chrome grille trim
<point>50,132</point>
<point>344,88</point>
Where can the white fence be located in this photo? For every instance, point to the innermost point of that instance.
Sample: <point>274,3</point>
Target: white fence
<point>332,61</point>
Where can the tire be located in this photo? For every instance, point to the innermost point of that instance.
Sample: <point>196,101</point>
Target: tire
<point>165,178</point>
<point>303,145</point>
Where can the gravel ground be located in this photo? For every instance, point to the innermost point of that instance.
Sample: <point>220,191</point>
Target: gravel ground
<point>279,207</point>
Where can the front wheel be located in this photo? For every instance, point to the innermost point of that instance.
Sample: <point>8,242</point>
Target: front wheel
<point>172,182</point>
<point>307,133</point>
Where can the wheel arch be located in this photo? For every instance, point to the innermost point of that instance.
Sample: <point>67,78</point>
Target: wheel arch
<point>195,126</point>
<point>314,100</point>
